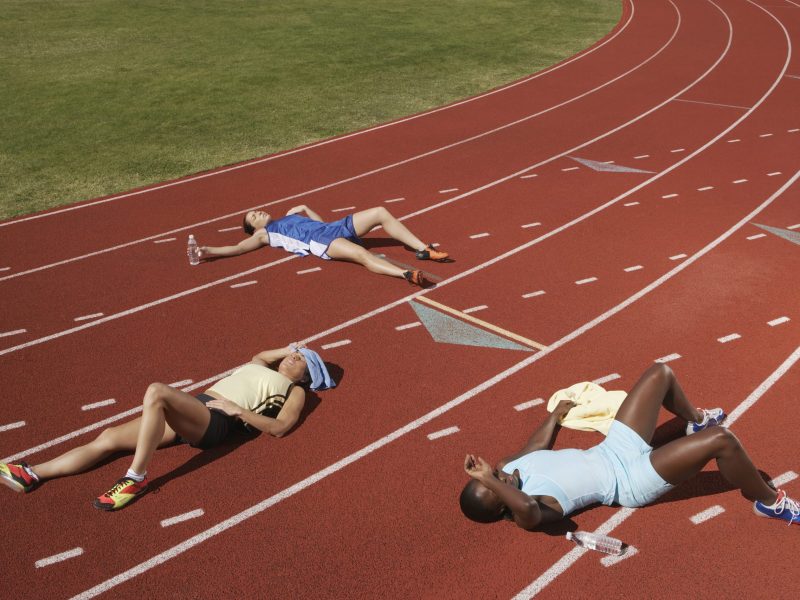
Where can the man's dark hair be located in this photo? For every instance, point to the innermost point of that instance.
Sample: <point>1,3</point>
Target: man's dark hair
<point>248,229</point>
<point>479,504</point>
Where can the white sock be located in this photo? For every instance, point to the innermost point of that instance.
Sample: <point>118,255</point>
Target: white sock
<point>135,476</point>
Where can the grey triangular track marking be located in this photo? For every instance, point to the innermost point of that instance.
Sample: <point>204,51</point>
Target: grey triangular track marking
<point>609,168</point>
<point>787,234</point>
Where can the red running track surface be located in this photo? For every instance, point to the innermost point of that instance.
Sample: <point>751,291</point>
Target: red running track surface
<point>357,501</point>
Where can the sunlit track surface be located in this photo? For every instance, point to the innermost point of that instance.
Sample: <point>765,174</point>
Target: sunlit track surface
<point>610,270</point>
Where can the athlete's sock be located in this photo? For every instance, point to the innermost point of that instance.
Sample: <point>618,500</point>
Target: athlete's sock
<point>135,476</point>
<point>30,472</point>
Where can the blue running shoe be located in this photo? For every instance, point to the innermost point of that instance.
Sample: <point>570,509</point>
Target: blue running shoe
<point>711,418</point>
<point>784,508</point>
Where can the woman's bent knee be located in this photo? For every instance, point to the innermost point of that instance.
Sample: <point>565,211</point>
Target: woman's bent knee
<point>156,392</point>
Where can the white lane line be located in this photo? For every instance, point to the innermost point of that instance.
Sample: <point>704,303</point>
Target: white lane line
<point>756,236</point>
<point>164,241</point>
<point>669,196</point>
<point>608,561</point>
<point>11,426</point>
<point>630,204</point>
<point>100,404</point>
<point>529,404</point>
<point>607,378</point>
<point>740,181</point>
<point>447,191</point>
<point>747,108</point>
<point>303,272</point>
<point>182,383</point>
<point>587,280</point>
<point>504,88</point>
<point>641,156</point>
<point>227,229</point>
<point>44,562</point>
<point>15,332</point>
<point>792,130</point>
<point>192,514</point>
<point>478,235</point>
<point>667,358</point>
<point>529,176</point>
<point>633,268</point>
<point>778,321</point>
<point>705,188</point>
<point>571,169</point>
<point>678,150</point>
<point>729,338</point>
<point>784,479</point>
<point>764,135</point>
<point>335,344</point>
<point>608,162</point>
<point>677,257</point>
<point>5,268</point>
<point>529,225</point>
<point>392,200</point>
<point>408,326</point>
<point>734,141</point>
<point>243,284</point>
<point>774,173</point>
<point>475,309</point>
<point>533,294</point>
<point>707,514</point>
<point>344,208</point>
<point>87,317</point>
<point>442,433</point>
<point>797,226</point>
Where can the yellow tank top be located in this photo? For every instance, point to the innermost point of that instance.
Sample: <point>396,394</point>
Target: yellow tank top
<point>256,388</point>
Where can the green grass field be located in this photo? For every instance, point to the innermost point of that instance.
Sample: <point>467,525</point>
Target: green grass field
<point>100,96</point>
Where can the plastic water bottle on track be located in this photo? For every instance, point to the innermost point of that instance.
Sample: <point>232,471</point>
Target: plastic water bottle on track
<point>595,541</point>
<point>193,251</point>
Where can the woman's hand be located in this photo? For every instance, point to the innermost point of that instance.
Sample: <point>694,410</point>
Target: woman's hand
<point>229,408</point>
<point>297,209</point>
<point>562,408</point>
<point>477,468</point>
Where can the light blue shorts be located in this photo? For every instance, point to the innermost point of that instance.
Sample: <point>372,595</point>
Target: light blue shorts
<point>629,455</point>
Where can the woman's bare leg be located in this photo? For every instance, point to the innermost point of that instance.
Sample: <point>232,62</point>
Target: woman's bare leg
<point>657,387</point>
<point>366,220</point>
<point>685,457</point>
<point>342,249</point>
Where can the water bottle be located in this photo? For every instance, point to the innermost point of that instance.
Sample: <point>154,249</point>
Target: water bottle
<point>193,251</point>
<point>595,541</point>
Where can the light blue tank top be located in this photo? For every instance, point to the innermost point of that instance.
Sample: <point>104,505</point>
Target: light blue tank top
<point>576,478</point>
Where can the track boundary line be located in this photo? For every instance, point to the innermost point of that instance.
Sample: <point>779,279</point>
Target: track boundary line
<point>370,448</point>
<point>546,71</point>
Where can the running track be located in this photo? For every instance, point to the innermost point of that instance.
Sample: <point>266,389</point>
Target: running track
<point>358,501</point>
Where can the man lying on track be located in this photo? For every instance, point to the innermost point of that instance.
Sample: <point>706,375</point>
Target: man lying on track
<point>538,486</point>
<point>255,396</point>
<point>338,240</point>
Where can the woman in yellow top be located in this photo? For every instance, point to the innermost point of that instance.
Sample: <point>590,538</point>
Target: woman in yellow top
<point>256,396</point>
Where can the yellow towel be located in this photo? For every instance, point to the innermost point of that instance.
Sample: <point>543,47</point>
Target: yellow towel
<point>595,409</point>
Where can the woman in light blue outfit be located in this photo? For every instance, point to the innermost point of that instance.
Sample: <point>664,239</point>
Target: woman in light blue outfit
<point>538,485</point>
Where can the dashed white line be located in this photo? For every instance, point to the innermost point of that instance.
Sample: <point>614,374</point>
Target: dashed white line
<point>58,557</point>
<point>335,344</point>
<point>641,156</point>
<point>443,432</point>
<point>571,169</point>
<point>528,404</point>
<point>243,284</point>
<point>707,514</point>
<point>164,241</point>
<point>705,188</point>
<point>587,280</point>
<point>667,358</point>
<point>778,321</point>
<point>226,229</point>
<point>5,268</point>
<point>756,236</point>
<point>765,135</point>
<point>11,426</point>
<point>728,338</point>
<point>344,208</point>
<point>784,479</point>
<point>448,190</point>
<point>734,141</point>
<point>532,294</point>
<point>610,560</point>
<point>606,378</point>
<point>630,204</point>
<point>774,173</point>
<point>529,225</point>
<point>408,326</point>
<point>15,332</point>
<point>740,181</point>
<point>474,309</point>
<point>478,235</point>
<point>670,196</point>
<point>193,514</point>
<point>181,383</point>
<point>303,272</point>
<point>87,317</point>
<point>608,162</point>
<point>634,268</point>
<point>796,226</point>
<point>678,150</point>
<point>792,130</point>
<point>100,404</point>
<point>393,200</point>
<point>677,257</point>
<point>530,176</point>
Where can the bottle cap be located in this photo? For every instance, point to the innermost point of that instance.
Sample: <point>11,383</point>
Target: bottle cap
<point>569,535</point>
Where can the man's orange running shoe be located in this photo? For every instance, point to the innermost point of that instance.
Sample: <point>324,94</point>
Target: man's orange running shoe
<point>431,253</point>
<point>122,494</point>
<point>415,277</point>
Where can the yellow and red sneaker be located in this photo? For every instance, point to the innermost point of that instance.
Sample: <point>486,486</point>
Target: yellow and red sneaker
<point>17,477</point>
<point>125,491</point>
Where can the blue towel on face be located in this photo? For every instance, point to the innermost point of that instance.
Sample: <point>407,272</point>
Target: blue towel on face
<point>320,378</point>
